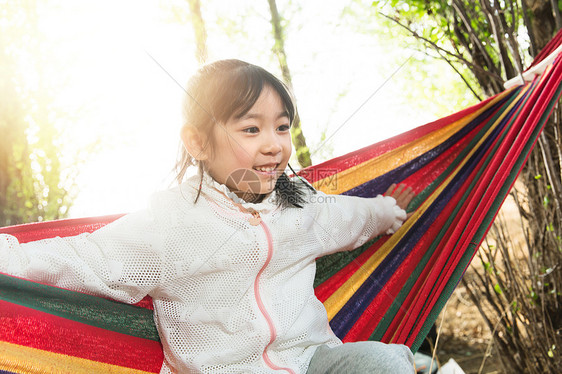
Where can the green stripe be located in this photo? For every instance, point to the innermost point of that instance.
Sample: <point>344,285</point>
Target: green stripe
<point>328,266</point>
<point>405,290</point>
<point>79,307</point>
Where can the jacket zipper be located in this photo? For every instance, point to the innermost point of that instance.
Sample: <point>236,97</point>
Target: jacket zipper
<point>272,331</point>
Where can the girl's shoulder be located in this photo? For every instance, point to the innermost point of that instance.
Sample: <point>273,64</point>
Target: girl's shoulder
<point>174,204</point>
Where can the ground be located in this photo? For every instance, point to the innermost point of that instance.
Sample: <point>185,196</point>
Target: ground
<point>465,337</point>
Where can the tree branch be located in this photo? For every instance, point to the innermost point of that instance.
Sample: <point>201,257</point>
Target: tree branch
<point>509,31</point>
<point>556,14</point>
<point>504,57</point>
<point>462,13</point>
<point>297,136</point>
<point>438,48</point>
<point>461,75</point>
<point>527,22</point>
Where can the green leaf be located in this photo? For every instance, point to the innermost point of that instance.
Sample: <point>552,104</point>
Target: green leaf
<point>551,351</point>
<point>514,307</point>
<point>498,289</point>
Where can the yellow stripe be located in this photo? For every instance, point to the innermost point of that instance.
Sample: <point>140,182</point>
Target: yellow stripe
<point>21,359</point>
<point>342,295</point>
<point>375,167</point>
<point>402,232</point>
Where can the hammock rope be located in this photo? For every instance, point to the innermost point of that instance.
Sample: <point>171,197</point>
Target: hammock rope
<point>391,289</point>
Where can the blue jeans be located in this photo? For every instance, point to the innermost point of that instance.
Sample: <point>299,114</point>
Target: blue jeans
<point>361,358</point>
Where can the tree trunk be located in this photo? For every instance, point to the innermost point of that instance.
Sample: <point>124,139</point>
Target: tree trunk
<point>542,23</point>
<point>199,30</point>
<point>14,156</point>
<point>31,187</point>
<point>299,141</point>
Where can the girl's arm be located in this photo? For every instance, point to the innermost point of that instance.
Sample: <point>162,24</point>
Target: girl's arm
<point>122,260</point>
<point>346,222</point>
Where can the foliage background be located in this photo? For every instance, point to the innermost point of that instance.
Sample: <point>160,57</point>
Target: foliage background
<point>94,91</point>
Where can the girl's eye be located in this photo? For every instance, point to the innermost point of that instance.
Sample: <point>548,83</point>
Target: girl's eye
<point>251,130</point>
<point>284,128</point>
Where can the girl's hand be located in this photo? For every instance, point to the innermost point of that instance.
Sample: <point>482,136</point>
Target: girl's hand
<point>403,195</point>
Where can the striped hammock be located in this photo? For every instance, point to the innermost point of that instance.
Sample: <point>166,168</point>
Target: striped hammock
<point>391,289</point>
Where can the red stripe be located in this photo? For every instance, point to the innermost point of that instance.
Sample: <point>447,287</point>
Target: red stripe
<point>422,288</point>
<point>449,255</point>
<point>419,181</point>
<point>429,274</point>
<point>366,324</point>
<point>64,227</point>
<point>374,313</point>
<point>425,288</point>
<point>475,211</point>
<point>332,284</point>
<point>498,172</point>
<point>335,165</point>
<point>428,174</point>
<point>31,328</point>
<point>547,49</point>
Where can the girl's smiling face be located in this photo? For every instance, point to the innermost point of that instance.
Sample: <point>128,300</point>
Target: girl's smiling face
<point>251,151</point>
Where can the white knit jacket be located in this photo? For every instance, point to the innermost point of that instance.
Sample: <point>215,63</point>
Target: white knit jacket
<point>229,296</point>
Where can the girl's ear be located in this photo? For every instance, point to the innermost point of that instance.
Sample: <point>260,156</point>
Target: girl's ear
<point>194,142</point>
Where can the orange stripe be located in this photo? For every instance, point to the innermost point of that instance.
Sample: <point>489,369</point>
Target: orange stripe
<point>33,328</point>
<point>342,295</point>
<point>21,359</point>
<point>366,171</point>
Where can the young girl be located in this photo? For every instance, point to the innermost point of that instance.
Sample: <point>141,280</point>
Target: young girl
<point>228,256</point>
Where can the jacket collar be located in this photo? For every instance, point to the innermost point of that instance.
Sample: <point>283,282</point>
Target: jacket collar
<point>222,195</point>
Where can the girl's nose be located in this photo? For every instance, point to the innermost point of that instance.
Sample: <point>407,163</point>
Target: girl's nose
<point>272,145</point>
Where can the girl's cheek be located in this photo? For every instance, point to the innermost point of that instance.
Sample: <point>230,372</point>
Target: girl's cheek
<point>288,141</point>
<point>242,154</point>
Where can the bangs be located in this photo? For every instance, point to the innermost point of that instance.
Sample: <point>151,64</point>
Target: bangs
<point>241,88</point>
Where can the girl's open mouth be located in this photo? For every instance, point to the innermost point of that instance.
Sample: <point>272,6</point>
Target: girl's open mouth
<point>267,169</point>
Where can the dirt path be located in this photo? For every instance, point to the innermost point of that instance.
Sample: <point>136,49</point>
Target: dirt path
<point>466,338</point>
